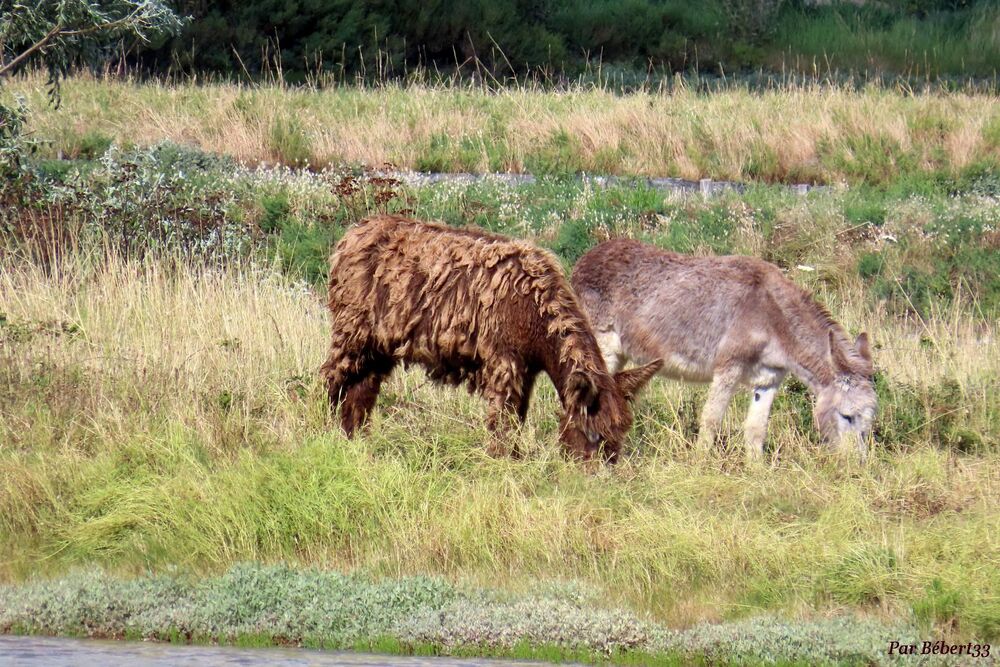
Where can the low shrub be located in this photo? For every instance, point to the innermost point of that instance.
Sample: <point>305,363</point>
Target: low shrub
<point>256,604</point>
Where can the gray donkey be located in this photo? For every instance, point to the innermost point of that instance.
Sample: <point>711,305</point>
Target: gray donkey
<point>730,321</point>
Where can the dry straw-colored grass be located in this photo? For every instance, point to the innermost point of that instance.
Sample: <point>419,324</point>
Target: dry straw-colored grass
<point>157,414</point>
<point>796,133</point>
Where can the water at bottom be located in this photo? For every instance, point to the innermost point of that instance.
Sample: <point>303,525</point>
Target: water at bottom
<point>59,652</point>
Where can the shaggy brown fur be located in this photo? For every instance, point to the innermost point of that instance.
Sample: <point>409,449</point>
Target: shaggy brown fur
<point>730,321</point>
<point>470,307</point>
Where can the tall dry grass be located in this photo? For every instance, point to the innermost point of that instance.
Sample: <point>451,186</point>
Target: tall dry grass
<point>158,414</point>
<point>795,133</point>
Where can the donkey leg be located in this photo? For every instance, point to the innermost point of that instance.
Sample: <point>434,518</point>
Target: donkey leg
<point>340,373</point>
<point>720,393</point>
<point>755,426</point>
<point>508,395</point>
<point>360,394</point>
<point>526,389</point>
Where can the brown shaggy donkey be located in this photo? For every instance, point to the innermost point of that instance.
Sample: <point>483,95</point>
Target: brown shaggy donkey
<point>730,321</point>
<point>470,307</point>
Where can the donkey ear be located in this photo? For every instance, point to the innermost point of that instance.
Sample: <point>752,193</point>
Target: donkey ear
<point>631,381</point>
<point>581,391</point>
<point>840,361</point>
<point>861,345</point>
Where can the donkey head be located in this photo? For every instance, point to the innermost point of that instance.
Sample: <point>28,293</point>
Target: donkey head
<point>598,412</point>
<point>845,408</point>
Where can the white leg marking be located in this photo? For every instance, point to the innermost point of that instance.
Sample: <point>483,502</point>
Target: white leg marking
<point>720,393</point>
<point>755,426</point>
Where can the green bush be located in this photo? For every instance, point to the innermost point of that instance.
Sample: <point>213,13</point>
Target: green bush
<point>870,265</point>
<point>93,145</point>
<point>982,178</point>
<point>865,575</point>
<point>938,606</point>
<point>435,157</point>
<point>572,241</point>
<point>711,227</point>
<point>864,206</point>
<point>277,212</point>
<point>290,144</point>
<point>304,249</point>
<point>559,156</point>
<point>872,159</point>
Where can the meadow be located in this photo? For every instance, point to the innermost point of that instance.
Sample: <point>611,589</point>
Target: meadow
<point>161,418</point>
<point>799,132</point>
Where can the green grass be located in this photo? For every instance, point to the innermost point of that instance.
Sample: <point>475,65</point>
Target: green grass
<point>163,410</point>
<point>788,132</point>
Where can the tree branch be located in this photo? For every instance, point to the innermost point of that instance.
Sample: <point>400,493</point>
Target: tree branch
<point>99,27</point>
<point>56,29</point>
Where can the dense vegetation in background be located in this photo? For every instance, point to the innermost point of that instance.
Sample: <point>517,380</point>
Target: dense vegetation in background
<point>387,38</point>
<point>915,247</point>
<point>918,228</point>
<point>914,38</point>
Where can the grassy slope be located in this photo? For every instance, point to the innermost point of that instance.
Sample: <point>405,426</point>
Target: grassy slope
<point>155,414</point>
<point>795,134</point>
<point>156,418</point>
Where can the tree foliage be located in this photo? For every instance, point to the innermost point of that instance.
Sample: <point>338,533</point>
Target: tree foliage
<point>13,145</point>
<point>383,37</point>
<point>62,33</point>
<point>502,35</point>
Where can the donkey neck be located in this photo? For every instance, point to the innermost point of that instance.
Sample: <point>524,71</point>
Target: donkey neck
<point>808,356</point>
<point>814,378</point>
<point>568,353</point>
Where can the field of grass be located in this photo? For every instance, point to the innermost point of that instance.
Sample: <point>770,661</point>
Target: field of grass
<point>161,327</point>
<point>795,133</point>
<point>158,415</point>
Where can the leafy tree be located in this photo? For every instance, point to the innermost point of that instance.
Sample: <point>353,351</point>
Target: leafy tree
<point>230,35</point>
<point>59,34</point>
<point>12,142</point>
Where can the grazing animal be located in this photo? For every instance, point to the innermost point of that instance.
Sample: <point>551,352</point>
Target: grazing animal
<point>470,307</point>
<point>730,321</point>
